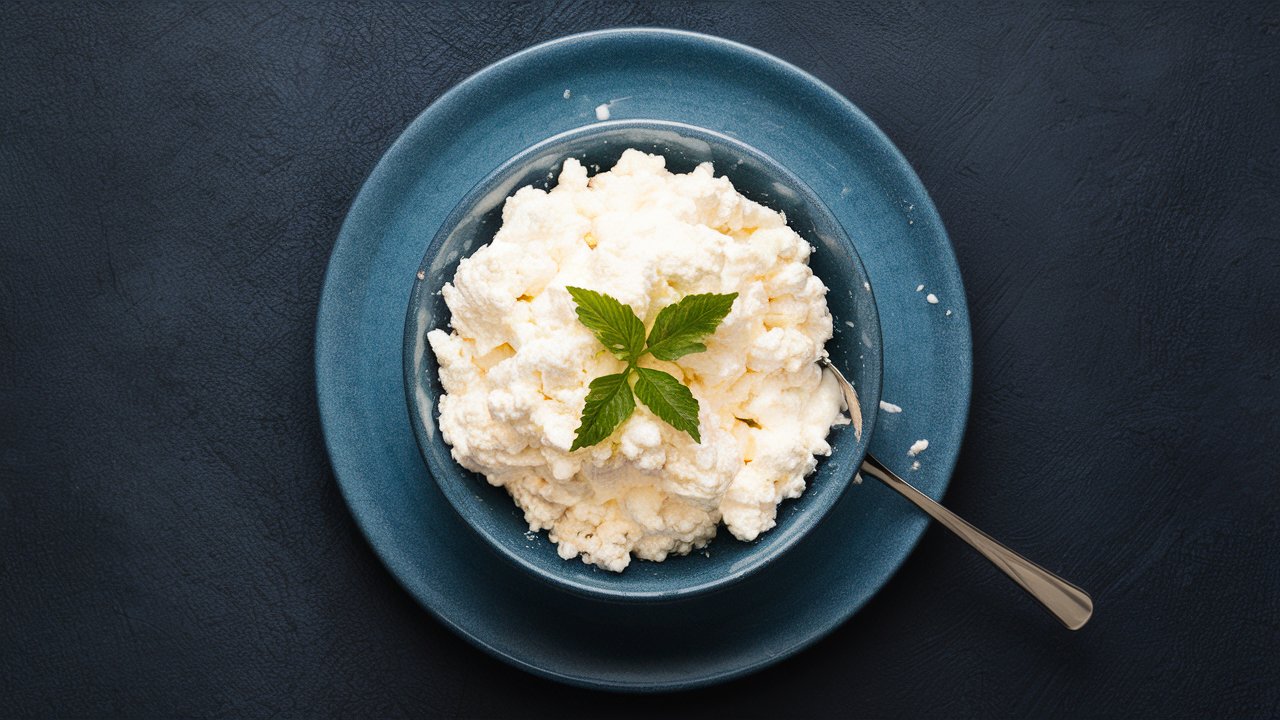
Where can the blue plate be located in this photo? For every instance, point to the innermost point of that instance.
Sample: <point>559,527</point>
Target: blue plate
<point>472,130</point>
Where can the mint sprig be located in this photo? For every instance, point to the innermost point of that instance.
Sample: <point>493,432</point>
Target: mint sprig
<point>677,331</point>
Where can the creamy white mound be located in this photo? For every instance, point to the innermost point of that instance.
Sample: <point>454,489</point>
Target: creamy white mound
<point>517,363</point>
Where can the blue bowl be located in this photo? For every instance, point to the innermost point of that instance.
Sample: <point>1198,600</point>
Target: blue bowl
<point>855,348</point>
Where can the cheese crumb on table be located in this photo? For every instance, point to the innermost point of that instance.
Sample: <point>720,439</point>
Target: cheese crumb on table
<point>931,299</point>
<point>602,111</point>
<point>889,407</point>
<point>516,363</point>
<point>918,447</point>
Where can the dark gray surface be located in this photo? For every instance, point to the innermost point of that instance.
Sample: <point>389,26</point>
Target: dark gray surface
<point>171,181</point>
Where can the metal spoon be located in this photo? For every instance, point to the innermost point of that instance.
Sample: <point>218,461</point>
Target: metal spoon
<point>1071,605</point>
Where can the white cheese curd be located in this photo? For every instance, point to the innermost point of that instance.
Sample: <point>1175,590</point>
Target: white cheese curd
<point>517,363</point>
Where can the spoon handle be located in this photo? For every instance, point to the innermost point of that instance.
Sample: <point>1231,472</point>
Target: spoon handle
<point>1071,605</point>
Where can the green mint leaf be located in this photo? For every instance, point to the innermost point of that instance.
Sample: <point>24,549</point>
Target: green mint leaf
<point>669,400</point>
<point>681,326</point>
<point>609,402</point>
<point>615,325</point>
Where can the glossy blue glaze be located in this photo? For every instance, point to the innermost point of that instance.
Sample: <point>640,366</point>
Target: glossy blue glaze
<point>473,223</point>
<point>472,130</point>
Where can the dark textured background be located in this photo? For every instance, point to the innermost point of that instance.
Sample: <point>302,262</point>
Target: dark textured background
<point>173,177</point>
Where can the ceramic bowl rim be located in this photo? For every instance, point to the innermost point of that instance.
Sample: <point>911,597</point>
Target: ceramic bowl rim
<point>480,191</point>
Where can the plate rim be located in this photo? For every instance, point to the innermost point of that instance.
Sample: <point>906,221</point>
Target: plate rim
<point>344,246</point>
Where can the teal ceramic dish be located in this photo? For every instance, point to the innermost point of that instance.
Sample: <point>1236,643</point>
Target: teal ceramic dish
<point>491,511</point>
<point>830,573</point>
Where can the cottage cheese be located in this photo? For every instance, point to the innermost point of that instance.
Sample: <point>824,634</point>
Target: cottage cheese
<point>516,365</point>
